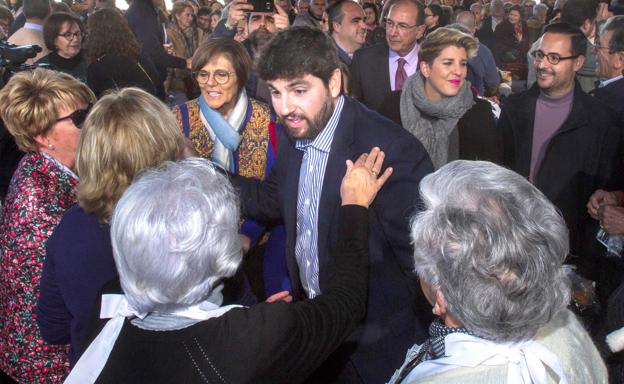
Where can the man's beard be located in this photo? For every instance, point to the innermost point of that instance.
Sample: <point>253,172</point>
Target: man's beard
<point>260,37</point>
<point>316,125</point>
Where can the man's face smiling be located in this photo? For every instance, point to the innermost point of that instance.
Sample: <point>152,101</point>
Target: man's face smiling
<point>304,104</point>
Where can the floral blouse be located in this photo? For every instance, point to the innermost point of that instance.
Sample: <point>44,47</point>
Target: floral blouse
<point>39,194</point>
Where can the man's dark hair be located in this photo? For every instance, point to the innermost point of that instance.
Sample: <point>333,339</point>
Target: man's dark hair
<point>204,11</point>
<point>297,52</point>
<point>615,24</point>
<point>576,12</point>
<point>577,37</point>
<point>334,13</point>
<point>36,9</point>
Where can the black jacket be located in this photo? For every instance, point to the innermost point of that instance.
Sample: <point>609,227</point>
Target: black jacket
<point>611,95</point>
<point>144,23</point>
<point>582,156</point>
<point>370,80</point>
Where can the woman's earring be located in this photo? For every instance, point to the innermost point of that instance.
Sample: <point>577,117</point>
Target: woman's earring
<point>50,146</point>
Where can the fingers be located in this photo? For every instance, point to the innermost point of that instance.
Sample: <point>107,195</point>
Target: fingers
<point>378,163</point>
<point>384,177</point>
<point>371,158</point>
<point>284,295</point>
<point>279,9</point>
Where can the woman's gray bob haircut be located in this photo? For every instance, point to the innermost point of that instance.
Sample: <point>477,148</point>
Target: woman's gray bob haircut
<point>175,235</point>
<point>495,246</point>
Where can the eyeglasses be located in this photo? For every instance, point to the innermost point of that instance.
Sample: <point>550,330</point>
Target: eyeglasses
<point>220,76</point>
<point>77,117</point>
<point>553,58</point>
<point>70,36</point>
<point>401,26</point>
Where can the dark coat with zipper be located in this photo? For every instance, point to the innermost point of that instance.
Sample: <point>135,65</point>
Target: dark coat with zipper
<point>583,155</point>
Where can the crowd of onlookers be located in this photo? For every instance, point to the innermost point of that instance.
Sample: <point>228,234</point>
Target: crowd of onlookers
<point>281,191</point>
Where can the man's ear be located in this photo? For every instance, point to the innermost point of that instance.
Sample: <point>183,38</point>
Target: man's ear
<point>335,83</point>
<point>578,63</point>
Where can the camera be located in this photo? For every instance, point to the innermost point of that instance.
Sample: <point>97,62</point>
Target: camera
<point>265,6</point>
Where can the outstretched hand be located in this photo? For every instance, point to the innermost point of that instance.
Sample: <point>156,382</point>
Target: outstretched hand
<point>362,180</point>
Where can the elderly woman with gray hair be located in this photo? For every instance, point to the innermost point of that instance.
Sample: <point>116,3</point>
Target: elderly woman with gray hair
<point>175,238</point>
<point>488,250</point>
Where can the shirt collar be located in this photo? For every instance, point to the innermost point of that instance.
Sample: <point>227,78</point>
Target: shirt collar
<point>36,27</point>
<point>604,83</point>
<point>411,57</point>
<point>323,141</point>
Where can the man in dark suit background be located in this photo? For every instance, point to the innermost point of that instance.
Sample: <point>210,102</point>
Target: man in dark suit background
<point>323,130</point>
<point>610,66</point>
<point>382,68</point>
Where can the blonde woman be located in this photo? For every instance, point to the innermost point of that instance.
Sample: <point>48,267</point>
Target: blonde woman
<point>44,111</point>
<point>126,132</point>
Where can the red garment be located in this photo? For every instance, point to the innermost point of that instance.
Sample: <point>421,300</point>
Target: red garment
<point>39,194</point>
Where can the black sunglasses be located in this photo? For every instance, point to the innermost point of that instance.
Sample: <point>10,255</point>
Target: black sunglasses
<point>77,117</point>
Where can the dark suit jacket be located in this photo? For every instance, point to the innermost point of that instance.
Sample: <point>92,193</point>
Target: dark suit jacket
<point>485,34</point>
<point>582,156</point>
<point>143,21</point>
<point>392,323</point>
<point>370,75</point>
<point>611,96</point>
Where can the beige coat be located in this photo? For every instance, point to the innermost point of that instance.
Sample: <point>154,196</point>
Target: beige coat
<point>27,36</point>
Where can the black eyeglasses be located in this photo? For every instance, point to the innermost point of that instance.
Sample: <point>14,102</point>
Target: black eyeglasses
<point>553,58</point>
<point>77,117</point>
<point>72,35</point>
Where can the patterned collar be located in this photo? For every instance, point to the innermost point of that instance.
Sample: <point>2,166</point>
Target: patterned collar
<point>60,165</point>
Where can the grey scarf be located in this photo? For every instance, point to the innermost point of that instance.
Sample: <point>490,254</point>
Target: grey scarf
<point>432,123</point>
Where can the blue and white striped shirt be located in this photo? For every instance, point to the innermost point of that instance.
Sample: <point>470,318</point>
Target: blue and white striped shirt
<point>311,174</point>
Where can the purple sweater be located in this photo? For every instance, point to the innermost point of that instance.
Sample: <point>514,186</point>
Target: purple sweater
<point>550,114</point>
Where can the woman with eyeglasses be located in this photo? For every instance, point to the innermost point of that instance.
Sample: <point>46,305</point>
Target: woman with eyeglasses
<point>63,34</point>
<point>236,132</point>
<point>434,18</point>
<point>115,59</point>
<point>44,111</point>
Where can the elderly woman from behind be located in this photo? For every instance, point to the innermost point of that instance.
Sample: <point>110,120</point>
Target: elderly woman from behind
<point>438,107</point>
<point>489,251</point>
<point>44,111</point>
<point>172,327</point>
<point>127,131</point>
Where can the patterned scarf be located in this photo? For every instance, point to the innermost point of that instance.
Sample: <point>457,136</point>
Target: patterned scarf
<point>432,348</point>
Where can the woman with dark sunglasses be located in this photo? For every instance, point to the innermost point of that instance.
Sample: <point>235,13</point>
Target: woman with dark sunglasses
<point>44,111</point>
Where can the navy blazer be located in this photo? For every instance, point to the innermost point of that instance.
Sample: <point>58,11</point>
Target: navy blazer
<point>392,323</point>
<point>370,75</point>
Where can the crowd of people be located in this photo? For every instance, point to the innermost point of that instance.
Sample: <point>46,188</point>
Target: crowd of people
<point>318,191</point>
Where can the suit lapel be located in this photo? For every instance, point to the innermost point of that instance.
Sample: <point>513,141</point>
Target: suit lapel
<point>384,68</point>
<point>330,195</point>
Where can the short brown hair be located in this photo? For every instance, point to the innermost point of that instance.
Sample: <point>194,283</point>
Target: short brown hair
<point>127,131</point>
<point>438,40</point>
<point>232,50</point>
<point>31,100</point>
<point>53,24</point>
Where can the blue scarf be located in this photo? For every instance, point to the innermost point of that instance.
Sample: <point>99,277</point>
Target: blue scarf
<point>228,136</point>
